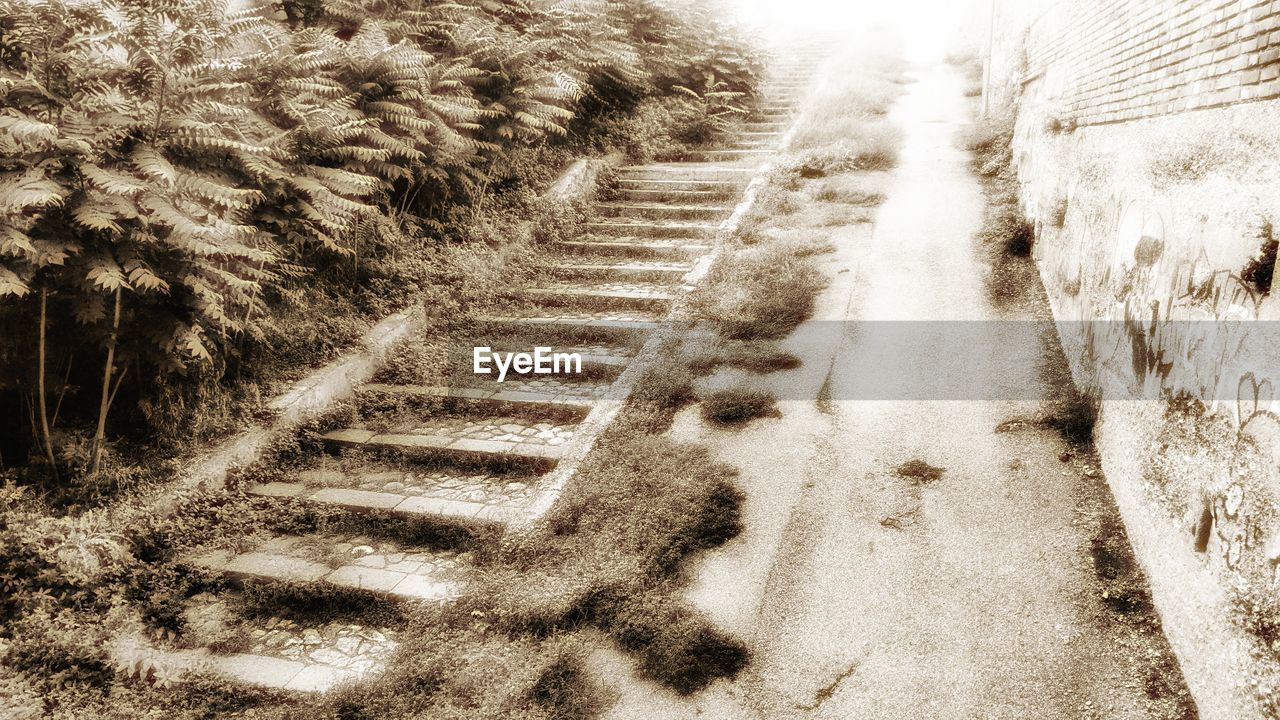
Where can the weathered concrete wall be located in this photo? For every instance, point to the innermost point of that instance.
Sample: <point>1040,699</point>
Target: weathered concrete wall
<point>1147,141</point>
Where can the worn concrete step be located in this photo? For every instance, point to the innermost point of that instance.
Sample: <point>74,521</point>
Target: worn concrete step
<point>661,211</point>
<point>620,295</point>
<point>446,447</point>
<point>634,247</point>
<point>262,670</point>
<point>383,568</point>
<point>754,143</point>
<point>619,321</point>
<point>692,197</point>
<point>651,228</point>
<point>773,127</point>
<point>494,397</point>
<point>729,154</point>
<point>687,171</point>
<point>597,360</point>
<point>628,270</point>
<point>493,509</point>
<point>709,188</point>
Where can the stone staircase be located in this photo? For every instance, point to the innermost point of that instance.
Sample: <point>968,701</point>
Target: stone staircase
<point>473,455</point>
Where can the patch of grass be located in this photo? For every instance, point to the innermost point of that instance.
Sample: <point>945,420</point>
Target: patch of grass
<point>1261,268</point>
<point>1067,409</point>
<point>1124,587</point>
<point>919,471</point>
<point>736,406</point>
<point>759,292</point>
<point>834,192</point>
<point>1074,417</point>
<point>1190,159</point>
<point>759,356</point>
<point>1006,235</point>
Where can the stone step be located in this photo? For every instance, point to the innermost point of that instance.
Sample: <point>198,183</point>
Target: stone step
<point>712,188</point>
<point>620,271</point>
<point>611,321</point>
<point>677,171</point>
<point>451,510</point>
<point>597,360</point>
<point>249,668</point>
<point>643,297</point>
<point>754,143</point>
<point>668,211</point>
<point>771,127</point>
<point>729,154</point>
<point>375,482</point>
<point>493,397</point>
<point>444,447</point>
<point>651,229</point>
<point>634,247</point>
<point>674,195</point>
<point>381,568</point>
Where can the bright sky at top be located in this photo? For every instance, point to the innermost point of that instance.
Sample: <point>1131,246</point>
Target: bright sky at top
<point>929,28</point>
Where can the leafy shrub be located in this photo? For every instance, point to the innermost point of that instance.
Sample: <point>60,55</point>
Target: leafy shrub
<point>737,405</point>
<point>1261,268</point>
<point>185,188</point>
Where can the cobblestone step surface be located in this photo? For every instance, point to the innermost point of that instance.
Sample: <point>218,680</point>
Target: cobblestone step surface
<point>608,359</point>
<point>624,270</point>
<point>612,320</point>
<point>651,228</point>
<point>349,562</point>
<point>721,188</point>
<point>669,210</point>
<point>444,447</point>
<point>493,508</point>
<point>647,193</point>
<point>730,154</point>
<point>374,474</point>
<point>636,247</point>
<point>536,393</point>
<point>645,296</point>
<point>688,171</point>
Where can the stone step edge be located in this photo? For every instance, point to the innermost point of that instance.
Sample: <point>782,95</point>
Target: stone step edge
<point>646,229</point>
<point>274,567</point>
<point>629,325</point>
<point>490,450</point>
<point>260,670</point>
<point>689,167</point>
<point>665,207</point>
<point>729,186</point>
<point>512,397</point>
<point>623,268</point>
<point>364,501</point>
<point>614,243</point>
<point>656,296</point>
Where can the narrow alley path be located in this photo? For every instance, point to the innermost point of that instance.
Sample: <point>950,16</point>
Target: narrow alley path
<point>864,594</point>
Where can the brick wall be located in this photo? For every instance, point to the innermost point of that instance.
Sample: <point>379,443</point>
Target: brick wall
<point>1129,59</point>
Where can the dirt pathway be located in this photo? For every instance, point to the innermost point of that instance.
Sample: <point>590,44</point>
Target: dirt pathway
<point>865,594</point>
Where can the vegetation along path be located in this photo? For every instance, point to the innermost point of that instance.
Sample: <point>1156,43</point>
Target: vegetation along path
<point>920,557</point>
<point>467,456</point>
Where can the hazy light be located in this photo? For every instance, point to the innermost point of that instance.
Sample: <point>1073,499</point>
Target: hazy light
<point>929,28</point>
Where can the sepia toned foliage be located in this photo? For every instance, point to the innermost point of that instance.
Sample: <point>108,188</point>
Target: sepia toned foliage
<point>172,169</point>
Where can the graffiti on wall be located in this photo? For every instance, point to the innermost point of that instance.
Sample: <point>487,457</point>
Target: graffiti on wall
<point>1155,306</point>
